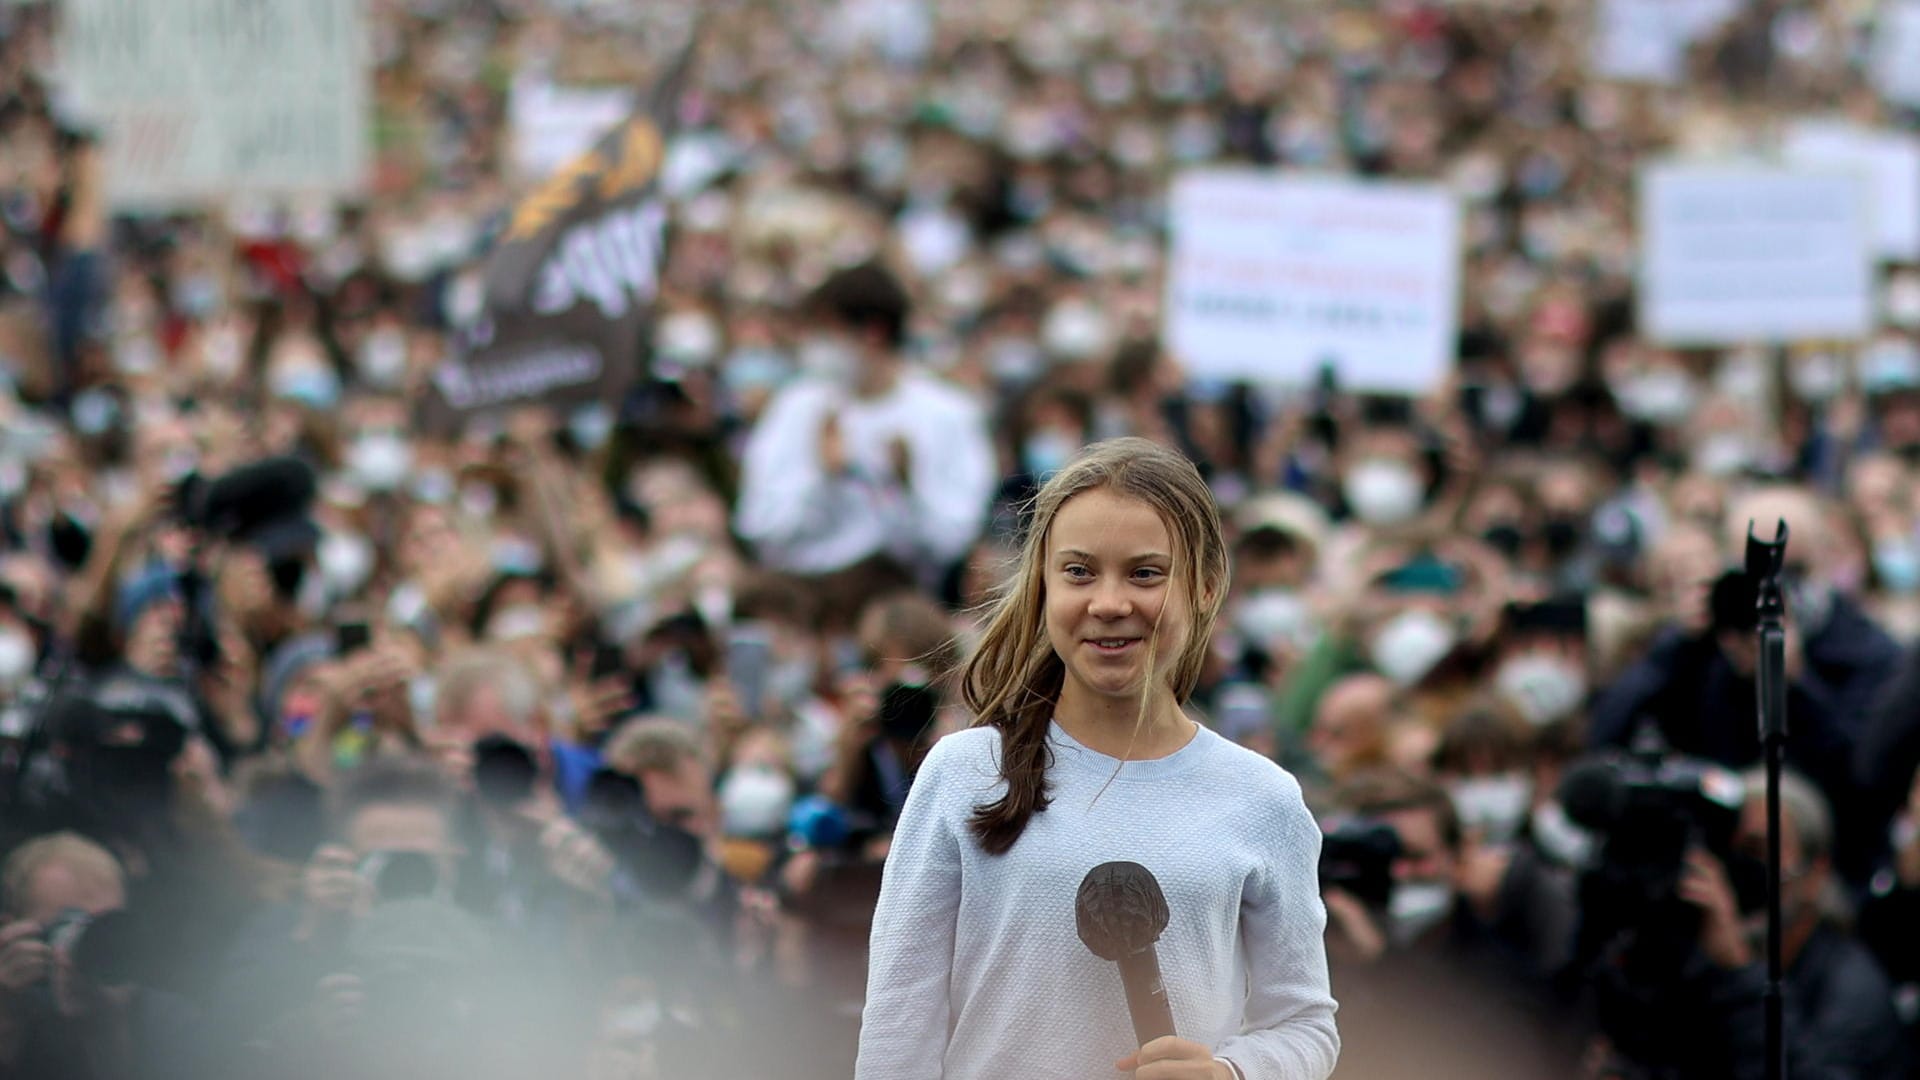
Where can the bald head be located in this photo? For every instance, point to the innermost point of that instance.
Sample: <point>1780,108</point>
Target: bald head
<point>1349,727</point>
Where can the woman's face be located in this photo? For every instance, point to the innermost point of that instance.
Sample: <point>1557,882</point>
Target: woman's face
<point>1108,584</point>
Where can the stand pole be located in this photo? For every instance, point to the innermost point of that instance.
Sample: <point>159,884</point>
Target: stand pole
<point>1763,567</point>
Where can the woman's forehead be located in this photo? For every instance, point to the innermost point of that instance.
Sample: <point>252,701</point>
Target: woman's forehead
<point>1105,522</point>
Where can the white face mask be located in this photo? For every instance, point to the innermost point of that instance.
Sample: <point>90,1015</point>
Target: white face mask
<point>1273,617</point>
<point>517,623</point>
<point>1659,396</point>
<point>1544,688</point>
<point>16,659</point>
<point>382,358</point>
<point>380,460</point>
<point>754,801</point>
<point>829,358</point>
<point>1415,908</point>
<point>1494,806</point>
<point>346,561</point>
<point>1408,646</point>
<point>1383,492</point>
<point>1817,378</point>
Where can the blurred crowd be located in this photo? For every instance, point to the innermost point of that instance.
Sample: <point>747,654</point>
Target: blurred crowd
<point>571,742</point>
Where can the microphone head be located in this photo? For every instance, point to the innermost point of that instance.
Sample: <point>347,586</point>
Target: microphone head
<point>1119,910</point>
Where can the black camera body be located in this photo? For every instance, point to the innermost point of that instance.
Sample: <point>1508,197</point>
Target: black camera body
<point>1357,857</point>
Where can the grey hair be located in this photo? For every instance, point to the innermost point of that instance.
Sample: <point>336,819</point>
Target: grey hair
<point>1804,810</point>
<point>1802,805</point>
<point>503,673</point>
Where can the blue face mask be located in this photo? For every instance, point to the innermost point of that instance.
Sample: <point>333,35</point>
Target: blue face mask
<point>1897,565</point>
<point>1047,452</point>
<point>316,388</point>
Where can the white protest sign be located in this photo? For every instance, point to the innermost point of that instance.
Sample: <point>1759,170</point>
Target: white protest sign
<point>1647,40</point>
<point>1731,254</point>
<point>1889,160</point>
<point>1895,64</point>
<point>1274,274</point>
<point>199,99</point>
<point>553,124</point>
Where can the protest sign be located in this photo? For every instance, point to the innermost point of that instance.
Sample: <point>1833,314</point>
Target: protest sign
<point>1895,63</point>
<point>1890,162</point>
<point>1647,40</point>
<point>199,99</point>
<point>1273,275</point>
<point>1731,254</point>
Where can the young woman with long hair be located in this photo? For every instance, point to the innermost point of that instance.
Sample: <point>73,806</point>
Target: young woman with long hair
<point>1082,753</point>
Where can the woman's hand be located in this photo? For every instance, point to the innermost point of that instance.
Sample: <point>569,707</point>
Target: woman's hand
<point>1171,1058</point>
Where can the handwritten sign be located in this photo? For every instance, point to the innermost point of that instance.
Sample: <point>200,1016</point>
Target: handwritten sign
<point>200,99</point>
<point>1889,161</point>
<point>1734,254</point>
<point>1274,275</point>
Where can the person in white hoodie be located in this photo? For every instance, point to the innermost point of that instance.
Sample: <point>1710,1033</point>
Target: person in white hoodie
<point>865,458</point>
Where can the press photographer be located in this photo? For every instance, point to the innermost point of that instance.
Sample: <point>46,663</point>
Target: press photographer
<point>76,970</point>
<point>1673,927</point>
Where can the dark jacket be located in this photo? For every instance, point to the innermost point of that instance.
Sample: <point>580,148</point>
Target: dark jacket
<point>1705,708</point>
<point>1840,1023</point>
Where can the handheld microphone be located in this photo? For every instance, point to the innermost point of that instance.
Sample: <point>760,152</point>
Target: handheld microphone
<point>1120,913</point>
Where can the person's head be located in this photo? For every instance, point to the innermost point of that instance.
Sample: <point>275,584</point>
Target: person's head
<point>1349,730</point>
<point>1120,581</point>
<point>1485,760</point>
<point>908,630</point>
<point>396,804</point>
<point>59,877</point>
<point>1281,536</point>
<point>665,756</point>
<point>399,818</point>
<point>860,318</point>
<point>1806,848</point>
<point>60,872</point>
<point>1419,811</point>
<point>152,615</point>
<point>488,692</point>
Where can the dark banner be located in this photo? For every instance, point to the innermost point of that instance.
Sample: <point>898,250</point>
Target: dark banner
<point>571,283</point>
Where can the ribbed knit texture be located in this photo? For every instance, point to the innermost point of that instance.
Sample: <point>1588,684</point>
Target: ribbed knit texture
<point>977,972</point>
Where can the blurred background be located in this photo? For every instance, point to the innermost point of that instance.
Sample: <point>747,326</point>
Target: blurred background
<point>494,495</point>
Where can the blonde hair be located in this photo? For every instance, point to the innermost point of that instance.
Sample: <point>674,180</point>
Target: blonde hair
<point>85,858</point>
<point>1013,680</point>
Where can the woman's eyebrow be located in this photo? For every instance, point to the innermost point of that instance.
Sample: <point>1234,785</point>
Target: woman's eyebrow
<point>1088,556</point>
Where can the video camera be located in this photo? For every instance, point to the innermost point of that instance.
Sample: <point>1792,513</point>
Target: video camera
<point>1649,808</point>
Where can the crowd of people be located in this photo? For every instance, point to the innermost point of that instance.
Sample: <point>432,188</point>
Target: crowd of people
<point>571,741</point>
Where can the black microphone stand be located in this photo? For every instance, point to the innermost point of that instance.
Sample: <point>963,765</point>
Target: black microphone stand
<point>1764,560</point>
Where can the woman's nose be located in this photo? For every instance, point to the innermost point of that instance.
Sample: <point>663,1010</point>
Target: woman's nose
<point>1110,601</point>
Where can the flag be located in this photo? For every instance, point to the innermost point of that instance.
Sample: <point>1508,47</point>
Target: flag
<point>571,282</point>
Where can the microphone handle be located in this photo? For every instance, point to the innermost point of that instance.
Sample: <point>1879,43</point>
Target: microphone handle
<point>1146,995</point>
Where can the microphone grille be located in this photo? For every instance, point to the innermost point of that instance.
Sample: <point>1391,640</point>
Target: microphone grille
<point>1119,909</point>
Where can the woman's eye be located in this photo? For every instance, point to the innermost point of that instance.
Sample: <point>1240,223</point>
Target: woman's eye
<point>1146,573</point>
<point>1078,573</point>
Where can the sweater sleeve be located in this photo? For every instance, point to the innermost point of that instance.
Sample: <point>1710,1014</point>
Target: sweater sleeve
<point>907,1019</point>
<point>953,486</point>
<point>1290,1033</point>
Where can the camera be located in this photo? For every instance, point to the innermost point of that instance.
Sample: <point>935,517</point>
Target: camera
<point>401,875</point>
<point>1357,857</point>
